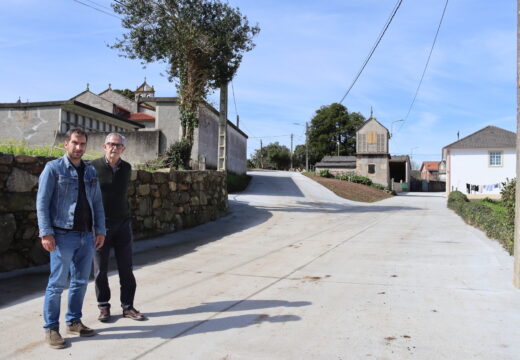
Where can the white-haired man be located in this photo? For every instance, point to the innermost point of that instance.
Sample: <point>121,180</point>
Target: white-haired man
<point>114,178</point>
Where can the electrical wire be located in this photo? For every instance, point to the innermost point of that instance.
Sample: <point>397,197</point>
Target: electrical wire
<point>99,5</point>
<point>425,66</point>
<point>269,136</point>
<point>374,47</point>
<point>95,8</point>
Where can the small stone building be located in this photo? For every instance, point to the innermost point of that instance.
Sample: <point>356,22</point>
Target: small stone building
<point>372,156</point>
<point>373,159</point>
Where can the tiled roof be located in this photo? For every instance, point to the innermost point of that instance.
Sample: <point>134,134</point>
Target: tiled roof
<point>399,158</point>
<point>430,165</point>
<point>488,137</point>
<point>346,165</point>
<point>141,117</point>
<point>338,158</point>
<point>347,162</point>
<point>369,120</point>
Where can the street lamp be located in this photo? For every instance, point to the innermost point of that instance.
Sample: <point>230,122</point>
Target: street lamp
<point>392,127</point>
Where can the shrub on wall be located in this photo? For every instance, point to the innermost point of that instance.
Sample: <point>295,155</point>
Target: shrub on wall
<point>178,155</point>
<point>495,224</point>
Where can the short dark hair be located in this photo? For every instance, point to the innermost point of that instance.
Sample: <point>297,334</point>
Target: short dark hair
<point>78,131</point>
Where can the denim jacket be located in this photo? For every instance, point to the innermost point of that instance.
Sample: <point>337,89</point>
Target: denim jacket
<point>58,194</point>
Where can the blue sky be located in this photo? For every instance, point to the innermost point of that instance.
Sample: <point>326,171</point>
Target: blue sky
<point>307,55</point>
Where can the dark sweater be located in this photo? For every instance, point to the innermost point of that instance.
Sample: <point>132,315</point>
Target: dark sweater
<point>114,188</point>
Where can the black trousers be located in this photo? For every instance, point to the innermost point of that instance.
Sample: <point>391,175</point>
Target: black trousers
<point>119,237</point>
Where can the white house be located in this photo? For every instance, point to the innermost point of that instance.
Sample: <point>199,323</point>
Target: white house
<point>478,163</point>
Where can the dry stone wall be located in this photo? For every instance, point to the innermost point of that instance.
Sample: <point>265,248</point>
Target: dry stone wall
<point>161,202</point>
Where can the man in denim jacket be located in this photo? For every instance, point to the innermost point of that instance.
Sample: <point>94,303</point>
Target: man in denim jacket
<point>71,220</point>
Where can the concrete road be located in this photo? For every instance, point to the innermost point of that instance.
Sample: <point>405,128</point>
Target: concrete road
<point>294,272</point>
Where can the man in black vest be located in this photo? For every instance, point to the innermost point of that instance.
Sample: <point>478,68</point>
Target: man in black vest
<point>114,178</point>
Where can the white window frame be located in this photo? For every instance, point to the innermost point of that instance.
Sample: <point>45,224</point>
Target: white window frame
<point>493,155</point>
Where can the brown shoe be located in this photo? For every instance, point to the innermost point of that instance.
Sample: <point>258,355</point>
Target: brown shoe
<point>133,314</point>
<point>104,314</point>
<point>54,339</point>
<point>77,328</point>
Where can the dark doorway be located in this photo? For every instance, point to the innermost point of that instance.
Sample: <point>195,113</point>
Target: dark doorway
<point>398,171</point>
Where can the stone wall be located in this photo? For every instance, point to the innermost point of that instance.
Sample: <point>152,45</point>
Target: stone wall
<point>161,202</point>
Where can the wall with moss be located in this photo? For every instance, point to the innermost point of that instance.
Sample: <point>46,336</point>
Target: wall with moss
<point>161,202</point>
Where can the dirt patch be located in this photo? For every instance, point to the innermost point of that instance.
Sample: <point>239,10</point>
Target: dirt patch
<point>312,278</point>
<point>349,190</point>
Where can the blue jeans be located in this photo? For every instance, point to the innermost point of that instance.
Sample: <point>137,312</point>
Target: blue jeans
<point>73,255</point>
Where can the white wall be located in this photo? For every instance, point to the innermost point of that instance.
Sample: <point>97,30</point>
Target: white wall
<point>32,125</point>
<point>471,166</point>
<point>167,119</point>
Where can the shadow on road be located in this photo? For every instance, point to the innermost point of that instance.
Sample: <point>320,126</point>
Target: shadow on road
<point>272,186</point>
<point>175,330</point>
<point>171,331</point>
<point>232,305</point>
<point>28,286</point>
<point>324,207</point>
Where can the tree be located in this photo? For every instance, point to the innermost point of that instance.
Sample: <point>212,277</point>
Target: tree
<point>126,93</point>
<point>201,41</point>
<point>273,156</point>
<point>333,130</point>
<point>299,155</point>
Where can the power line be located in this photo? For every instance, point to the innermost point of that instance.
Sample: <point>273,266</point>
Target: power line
<point>95,8</point>
<point>426,65</point>
<point>387,24</point>
<point>99,5</point>
<point>269,136</point>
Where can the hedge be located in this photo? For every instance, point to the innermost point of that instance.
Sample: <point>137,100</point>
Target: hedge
<point>495,224</point>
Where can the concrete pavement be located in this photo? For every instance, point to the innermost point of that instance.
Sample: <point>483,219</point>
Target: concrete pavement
<point>294,272</point>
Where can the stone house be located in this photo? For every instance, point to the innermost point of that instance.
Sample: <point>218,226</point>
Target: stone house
<point>372,159</point>
<point>430,170</point>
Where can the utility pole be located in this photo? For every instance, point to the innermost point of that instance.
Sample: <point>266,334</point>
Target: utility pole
<point>262,153</point>
<point>291,151</point>
<point>516,250</point>
<point>307,144</point>
<point>222,129</point>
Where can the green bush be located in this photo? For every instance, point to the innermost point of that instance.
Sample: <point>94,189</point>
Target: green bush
<point>355,179</point>
<point>361,180</point>
<point>325,173</point>
<point>178,155</point>
<point>456,196</point>
<point>508,193</point>
<point>21,148</point>
<point>151,165</point>
<point>378,186</point>
<point>494,223</point>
